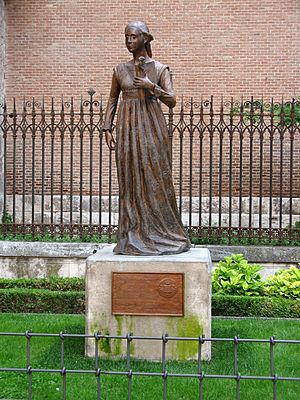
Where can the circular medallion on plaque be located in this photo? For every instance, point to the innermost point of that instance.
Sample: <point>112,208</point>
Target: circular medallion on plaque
<point>167,288</point>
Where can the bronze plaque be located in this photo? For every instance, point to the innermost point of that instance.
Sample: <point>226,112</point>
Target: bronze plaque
<point>139,293</point>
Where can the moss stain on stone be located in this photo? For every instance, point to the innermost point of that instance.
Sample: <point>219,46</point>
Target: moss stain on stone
<point>118,342</point>
<point>188,326</point>
<point>94,328</point>
<point>105,343</point>
<point>130,329</point>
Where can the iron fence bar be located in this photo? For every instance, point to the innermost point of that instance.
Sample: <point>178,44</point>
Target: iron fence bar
<point>72,135</point>
<point>163,362</point>
<point>231,129</point>
<point>281,176</point>
<point>292,136</point>
<point>52,132</point>
<point>191,134</point>
<point>200,373</point>
<point>251,137</point>
<point>14,135</point>
<point>62,135</point>
<point>33,137</point>
<point>128,365</point>
<point>181,129</point>
<point>91,137</point>
<point>241,138</point>
<point>100,166</point>
<point>282,132</point>
<point>221,137</point>
<point>272,366</point>
<point>201,134</point>
<point>156,374</point>
<point>43,129</point>
<point>81,129</point>
<point>98,371</point>
<point>28,367</point>
<point>109,195</point>
<point>23,126</point>
<point>157,338</point>
<point>271,170</point>
<point>100,179</point>
<point>211,137</point>
<point>63,370</point>
<point>236,342</point>
<point>261,159</point>
<point>5,123</point>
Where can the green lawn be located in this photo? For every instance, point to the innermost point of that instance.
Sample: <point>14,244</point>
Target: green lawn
<point>253,360</point>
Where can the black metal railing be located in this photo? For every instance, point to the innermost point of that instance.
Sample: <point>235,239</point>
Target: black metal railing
<point>236,170</point>
<point>100,373</point>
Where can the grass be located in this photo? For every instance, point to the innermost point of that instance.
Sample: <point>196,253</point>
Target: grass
<point>253,359</point>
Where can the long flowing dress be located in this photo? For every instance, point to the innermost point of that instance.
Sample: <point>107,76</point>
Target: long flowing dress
<point>149,222</point>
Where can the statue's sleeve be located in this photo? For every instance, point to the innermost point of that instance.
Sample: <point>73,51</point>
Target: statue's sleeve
<point>164,89</point>
<point>112,103</point>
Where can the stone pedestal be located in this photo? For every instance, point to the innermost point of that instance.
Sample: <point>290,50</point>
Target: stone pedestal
<point>195,268</point>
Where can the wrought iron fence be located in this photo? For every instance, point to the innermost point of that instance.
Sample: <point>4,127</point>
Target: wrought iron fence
<point>199,375</point>
<point>236,170</point>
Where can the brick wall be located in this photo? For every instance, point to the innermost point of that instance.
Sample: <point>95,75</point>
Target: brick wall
<point>219,47</point>
<point>213,46</point>
<point>2,46</point>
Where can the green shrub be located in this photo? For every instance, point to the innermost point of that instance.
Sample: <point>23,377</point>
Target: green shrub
<point>250,306</point>
<point>7,218</point>
<point>20,300</point>
<point>285,283</point>
<point>52,283</point>
<point>282,113</point>
<point>235,276</point>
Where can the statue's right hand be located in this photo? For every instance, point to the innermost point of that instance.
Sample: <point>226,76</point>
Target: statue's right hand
<point>110,141</point>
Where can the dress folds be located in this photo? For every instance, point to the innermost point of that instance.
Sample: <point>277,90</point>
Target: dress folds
<point>149,222</point>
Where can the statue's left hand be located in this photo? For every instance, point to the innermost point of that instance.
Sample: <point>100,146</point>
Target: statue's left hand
<point>143,83</point>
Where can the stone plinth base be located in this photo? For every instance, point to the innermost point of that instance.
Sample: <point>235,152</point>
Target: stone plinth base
<point>196,321</point>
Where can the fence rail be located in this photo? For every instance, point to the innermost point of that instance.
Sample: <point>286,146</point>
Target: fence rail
<point>99,373</point>
<point>236,170</point>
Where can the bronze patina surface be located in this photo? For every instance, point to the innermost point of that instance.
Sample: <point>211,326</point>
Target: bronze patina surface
<point>147,294</point>
<point>149,222</point>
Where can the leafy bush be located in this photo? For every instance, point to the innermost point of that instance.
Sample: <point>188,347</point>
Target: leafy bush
<point>43,295</point>
<point>41,301</point>
<point>282,112</point>
<point>52,283</point>
<point>285,283</point>
<point>7,218</point>
<point>235,276</point>
<point>255,306</point>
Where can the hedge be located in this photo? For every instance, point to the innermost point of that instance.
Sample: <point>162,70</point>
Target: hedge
<point>53,283</point>
<point>20,300</point>
<point>250,306</point>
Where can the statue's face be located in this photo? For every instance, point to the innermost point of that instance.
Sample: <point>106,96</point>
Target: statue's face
<point>134,40</point>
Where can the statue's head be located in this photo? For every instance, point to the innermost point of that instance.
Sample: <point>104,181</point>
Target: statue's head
<point>137,36</point>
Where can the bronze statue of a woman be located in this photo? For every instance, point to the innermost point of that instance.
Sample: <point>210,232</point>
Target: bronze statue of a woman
<point>149,222</point>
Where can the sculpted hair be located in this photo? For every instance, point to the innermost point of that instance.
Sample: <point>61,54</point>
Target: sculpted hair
<point>143,28</point>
